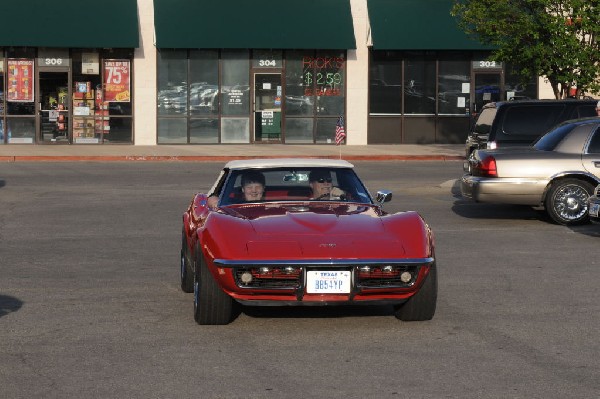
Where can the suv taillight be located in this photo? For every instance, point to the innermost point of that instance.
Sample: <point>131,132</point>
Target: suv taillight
<point>486,167</point>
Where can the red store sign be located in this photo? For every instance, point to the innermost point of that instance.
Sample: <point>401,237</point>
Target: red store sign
<point>117,81</point>
<point>20,80</point>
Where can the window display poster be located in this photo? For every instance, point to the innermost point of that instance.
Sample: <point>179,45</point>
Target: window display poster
<point>89,64</point>
<point>117,81</point>
<point>20,80</point>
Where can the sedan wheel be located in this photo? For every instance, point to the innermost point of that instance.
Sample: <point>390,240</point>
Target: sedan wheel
<point>566,202</point>
<point>211,304</point>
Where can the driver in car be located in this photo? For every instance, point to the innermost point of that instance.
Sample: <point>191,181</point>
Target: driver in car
<point>322,187</point>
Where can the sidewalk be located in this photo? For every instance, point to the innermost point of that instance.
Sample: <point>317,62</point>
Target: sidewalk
<point>226,152</point>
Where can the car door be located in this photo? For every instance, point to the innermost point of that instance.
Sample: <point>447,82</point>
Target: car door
<point>591,155</point>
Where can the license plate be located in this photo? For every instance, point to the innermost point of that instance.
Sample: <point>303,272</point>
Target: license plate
<point>328,282</point>
<point>594,209</point>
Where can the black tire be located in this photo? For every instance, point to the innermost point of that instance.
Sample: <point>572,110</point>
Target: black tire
<point>566,201</point>
<point>186,272</point>
<point>211,305</point>
<point>420,306</point>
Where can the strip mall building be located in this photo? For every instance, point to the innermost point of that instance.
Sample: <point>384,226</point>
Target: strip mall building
<point>236,71</point>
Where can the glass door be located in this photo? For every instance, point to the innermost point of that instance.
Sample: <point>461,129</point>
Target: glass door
<point>267,107</point>
<point>487,89</point>
<point>53,111</point>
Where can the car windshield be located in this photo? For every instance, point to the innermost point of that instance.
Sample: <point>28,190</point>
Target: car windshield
<point>292,184</point>
<point>550,140</point>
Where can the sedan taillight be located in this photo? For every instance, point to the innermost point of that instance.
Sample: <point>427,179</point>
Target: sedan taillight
<point>486,167</point>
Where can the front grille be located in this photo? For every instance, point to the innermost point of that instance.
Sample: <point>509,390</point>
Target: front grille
<point>382,276</point>
<point>290,276</point>
<point>269,277</point>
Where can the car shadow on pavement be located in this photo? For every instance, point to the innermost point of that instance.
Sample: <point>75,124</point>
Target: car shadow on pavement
<point>315,312</point>
<point>2,183</point>
<point>472,210</point>
<point>9,304</point>
<point>592,229</point>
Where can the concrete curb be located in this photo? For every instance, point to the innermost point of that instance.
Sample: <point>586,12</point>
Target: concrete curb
<point>208,158</point>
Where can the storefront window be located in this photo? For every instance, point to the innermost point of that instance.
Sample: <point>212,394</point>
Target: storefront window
<point>454,85</point>
<point>1,99</point>
<point>518,89</point>
<point>385,83</point>
<point>419,85</point>
<point>19,86</point>
<point>172,131</point>
<point>235,130</point>
<point>330,82</point>
<point>172,82</point>
<point>20,130</point>
<point>101,96</point>
<point>204,82</point>
<point>235,85</point>
<point>299,130</point>
<point>298,100</point>
<point>204,96</point>
<point>325,130</point>
<point>204,131</point>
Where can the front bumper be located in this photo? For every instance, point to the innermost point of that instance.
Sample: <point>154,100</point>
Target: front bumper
<point>284,282</point>
<point>517,191</point>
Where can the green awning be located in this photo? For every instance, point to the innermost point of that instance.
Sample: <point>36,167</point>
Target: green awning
<point>70,23</point>
<point>417,25</point>
<point>266,24</point>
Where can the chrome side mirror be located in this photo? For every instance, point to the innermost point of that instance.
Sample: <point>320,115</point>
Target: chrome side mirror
<point>383,196</point>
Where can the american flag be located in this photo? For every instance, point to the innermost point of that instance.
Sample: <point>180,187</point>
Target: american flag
<point>340,133</point>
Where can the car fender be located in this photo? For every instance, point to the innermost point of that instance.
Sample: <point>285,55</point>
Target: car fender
<point>413,232</point>
<point>215,234</point>
<point>577,174</point>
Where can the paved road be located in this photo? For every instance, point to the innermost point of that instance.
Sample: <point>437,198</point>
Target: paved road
<point>90,305</point>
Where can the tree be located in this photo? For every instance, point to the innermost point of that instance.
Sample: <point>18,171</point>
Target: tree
<point>556,39</point>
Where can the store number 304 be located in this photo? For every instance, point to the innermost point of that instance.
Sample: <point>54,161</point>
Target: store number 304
<point>267,63</point>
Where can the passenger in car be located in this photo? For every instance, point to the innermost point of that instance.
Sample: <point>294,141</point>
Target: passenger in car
<point>598,108</point>
<point>322,187</point>
<point>252,186</point>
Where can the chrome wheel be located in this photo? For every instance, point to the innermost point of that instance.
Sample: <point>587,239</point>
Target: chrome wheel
<point>566,202</point>
<point>571,202</point>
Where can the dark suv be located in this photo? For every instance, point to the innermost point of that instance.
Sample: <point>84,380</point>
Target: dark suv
<point>511,123</point>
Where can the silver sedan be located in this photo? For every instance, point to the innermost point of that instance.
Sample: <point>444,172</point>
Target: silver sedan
<point>559,172</point>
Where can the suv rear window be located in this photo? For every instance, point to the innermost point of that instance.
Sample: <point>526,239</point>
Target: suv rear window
<point>583,111</point>
<point>484,121</point>
<point>530,121</point>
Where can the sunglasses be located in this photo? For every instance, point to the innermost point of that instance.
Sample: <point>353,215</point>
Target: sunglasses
<point>324,180</point>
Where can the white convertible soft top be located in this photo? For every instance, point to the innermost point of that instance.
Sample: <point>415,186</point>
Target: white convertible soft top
<point>288,162</point>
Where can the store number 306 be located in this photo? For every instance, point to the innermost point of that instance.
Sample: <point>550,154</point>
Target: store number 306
<point>53,61</point>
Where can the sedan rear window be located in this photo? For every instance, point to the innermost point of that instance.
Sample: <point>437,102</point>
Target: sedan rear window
<point>550,140</point>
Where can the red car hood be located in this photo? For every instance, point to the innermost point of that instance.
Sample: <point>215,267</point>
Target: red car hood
<point>321,230</point>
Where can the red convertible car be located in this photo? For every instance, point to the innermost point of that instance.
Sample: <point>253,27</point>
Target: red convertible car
<point>302,232</point>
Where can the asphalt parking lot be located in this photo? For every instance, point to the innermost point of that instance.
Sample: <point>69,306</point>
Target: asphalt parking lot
<point>90,304</point>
